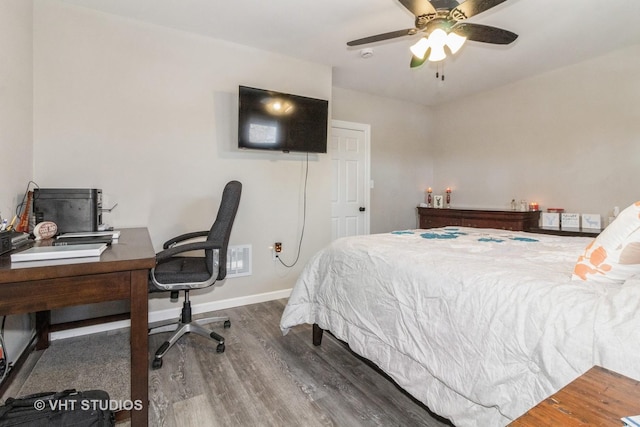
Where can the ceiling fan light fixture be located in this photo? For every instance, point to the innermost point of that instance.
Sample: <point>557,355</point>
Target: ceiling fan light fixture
<point>443,23</point>
<point>420,48</point>
<point>455,42</point>
<point>437,41</point>
<point>437,54</point>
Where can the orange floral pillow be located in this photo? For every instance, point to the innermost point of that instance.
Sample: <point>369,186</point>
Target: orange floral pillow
<point>614,256</point>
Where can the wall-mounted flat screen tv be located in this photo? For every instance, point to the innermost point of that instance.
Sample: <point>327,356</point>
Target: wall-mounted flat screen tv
<point>269,120</point>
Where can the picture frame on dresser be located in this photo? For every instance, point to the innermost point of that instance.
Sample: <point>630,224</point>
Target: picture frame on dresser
<point>551,220</point>
<point>591,221</point>
<point>570,220</point>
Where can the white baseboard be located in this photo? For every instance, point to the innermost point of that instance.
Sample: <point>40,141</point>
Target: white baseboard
<point>173,313</point>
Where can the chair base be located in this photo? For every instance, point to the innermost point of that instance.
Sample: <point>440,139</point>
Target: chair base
<point>181,328</point>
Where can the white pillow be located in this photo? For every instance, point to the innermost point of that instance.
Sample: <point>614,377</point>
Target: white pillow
<point>614,256</point>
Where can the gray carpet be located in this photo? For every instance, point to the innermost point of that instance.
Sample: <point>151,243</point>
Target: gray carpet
<point>59,366</point>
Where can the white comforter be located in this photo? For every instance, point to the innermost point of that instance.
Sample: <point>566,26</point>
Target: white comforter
<point>478,324</point>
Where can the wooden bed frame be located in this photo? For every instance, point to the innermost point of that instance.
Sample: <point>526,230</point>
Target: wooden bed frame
<point>317,334</point>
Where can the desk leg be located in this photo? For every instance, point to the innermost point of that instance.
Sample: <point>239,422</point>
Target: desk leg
<point>139,346</point>
<point>43,321</point>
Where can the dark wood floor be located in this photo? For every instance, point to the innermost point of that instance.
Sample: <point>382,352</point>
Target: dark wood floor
<point>266,379</point>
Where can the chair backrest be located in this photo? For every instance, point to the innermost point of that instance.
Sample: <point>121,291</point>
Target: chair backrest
<point>221,228</point>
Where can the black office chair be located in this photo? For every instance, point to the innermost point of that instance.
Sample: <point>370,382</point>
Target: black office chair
<point>177,273</point>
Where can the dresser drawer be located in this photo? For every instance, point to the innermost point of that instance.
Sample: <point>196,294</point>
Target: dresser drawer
<point>478,218</point>
<point>435,222</point>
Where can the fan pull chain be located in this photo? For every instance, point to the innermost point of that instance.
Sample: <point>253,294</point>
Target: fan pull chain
<point>440,75</point>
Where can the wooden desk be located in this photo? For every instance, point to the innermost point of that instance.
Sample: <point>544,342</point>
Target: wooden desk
<point>599,397</point>
<point>120,274</point>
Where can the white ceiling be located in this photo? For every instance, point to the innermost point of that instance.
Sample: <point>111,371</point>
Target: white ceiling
<point>552,34</point>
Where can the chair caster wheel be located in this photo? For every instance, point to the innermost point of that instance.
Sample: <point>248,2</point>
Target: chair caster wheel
<point>157,363</point>
<point>219,349</point>
<point>227,324</point>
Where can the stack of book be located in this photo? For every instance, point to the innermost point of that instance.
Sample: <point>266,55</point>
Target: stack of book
<point>88,237</point>
<point>83,245</point>
<point>41,253</point>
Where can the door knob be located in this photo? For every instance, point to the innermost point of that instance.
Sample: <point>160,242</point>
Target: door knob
<point>361,209</point>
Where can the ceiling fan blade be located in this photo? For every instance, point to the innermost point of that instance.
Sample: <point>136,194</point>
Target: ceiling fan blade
<point>416,62</point>
<point>484,33</point>
<point>418,7</point>
<point>472,7</point>
<point>384,36</point>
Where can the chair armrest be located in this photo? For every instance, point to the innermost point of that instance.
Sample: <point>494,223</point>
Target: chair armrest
<point>184,237</point>
<point>187,247</point>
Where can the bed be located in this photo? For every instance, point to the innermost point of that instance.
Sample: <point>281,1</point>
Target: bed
<point>478,324</point>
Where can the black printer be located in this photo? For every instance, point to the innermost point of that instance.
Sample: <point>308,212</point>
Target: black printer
<point>72,209</point>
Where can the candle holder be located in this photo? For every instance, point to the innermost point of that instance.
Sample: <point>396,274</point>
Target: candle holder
<point>448,198</point>
<point>429,191</point>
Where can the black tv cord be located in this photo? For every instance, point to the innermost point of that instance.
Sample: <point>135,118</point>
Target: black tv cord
<point>304,216</point>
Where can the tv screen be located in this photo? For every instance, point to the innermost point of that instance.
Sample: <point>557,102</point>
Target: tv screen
<point>269,120</point>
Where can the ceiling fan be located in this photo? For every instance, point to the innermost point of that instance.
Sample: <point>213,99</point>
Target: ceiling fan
<point>443,24</point>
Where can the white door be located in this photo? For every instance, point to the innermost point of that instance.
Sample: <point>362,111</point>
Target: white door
<point>350,180</point>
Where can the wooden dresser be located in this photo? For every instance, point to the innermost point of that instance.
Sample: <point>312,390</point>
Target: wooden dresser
<point>478,218</point>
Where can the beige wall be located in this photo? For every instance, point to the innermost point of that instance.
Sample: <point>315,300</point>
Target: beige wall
<point>148,114</point>
<point>568,138</point>
<point>16,102</point>
<point>16,127</point>
<point>401,167</point>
